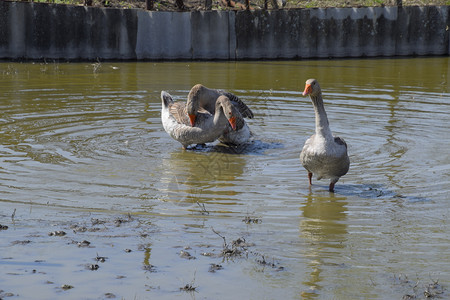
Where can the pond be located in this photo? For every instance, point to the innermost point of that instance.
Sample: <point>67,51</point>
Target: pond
<point>100,202</point>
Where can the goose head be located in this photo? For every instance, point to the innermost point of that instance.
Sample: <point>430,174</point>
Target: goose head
<point>192,108</point>
<point>312,88</point>
<point>224,104</point>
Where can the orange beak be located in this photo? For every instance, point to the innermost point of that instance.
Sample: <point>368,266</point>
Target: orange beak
<point>192,120</point>
<point>232,122</point>
<point>308,90</point>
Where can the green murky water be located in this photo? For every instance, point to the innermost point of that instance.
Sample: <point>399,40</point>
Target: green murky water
<point>82,146</point>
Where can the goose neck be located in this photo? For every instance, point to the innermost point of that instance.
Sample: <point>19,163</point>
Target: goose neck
<point>322,125</point>
<point>219,115</point>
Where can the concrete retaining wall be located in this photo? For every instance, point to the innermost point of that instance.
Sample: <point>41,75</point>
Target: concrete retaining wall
<point>36,31</point>
<point>343,32</point>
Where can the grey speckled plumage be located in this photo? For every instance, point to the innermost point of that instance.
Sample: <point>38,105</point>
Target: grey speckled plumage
<point>323,154</point>
<point>202,99</point>
<point>208,127</point>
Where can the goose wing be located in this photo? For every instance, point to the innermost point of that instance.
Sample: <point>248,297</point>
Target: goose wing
<point>340,141</point>
<point>239,104</point>
<point>178,112</point>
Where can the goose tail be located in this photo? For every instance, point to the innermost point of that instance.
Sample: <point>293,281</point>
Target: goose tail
<point>166,99</point>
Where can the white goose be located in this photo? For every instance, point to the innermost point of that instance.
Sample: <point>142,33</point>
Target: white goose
<point>208,127</point>
<point>323,154</point>
<point>202,99</point>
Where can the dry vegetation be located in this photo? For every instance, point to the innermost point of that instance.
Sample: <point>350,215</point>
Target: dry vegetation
<point>189,5</point>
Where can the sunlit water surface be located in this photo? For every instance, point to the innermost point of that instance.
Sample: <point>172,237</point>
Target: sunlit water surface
<point>84,142</point>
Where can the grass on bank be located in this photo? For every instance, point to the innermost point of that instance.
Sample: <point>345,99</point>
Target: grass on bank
<point>238,4</point>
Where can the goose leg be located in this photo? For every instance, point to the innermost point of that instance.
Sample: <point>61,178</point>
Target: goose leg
<point>331,188</point>
<point>310,178</point>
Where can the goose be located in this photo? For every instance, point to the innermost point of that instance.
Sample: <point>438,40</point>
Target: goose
<point>202,99</point>
<point>323,154</point>
<point>238,136</point>
<point>208,127</point>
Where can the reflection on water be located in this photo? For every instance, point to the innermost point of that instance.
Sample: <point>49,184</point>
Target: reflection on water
<point>323,226</point>
<point>208,177</point>
<point>79,139</point>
